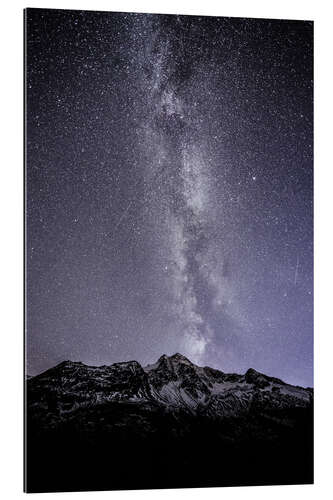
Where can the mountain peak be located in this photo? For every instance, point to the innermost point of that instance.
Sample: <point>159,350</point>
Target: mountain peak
<point>174,357</point>
<point>259,379</point>
<point>252,371</point>
<point>180,357</point>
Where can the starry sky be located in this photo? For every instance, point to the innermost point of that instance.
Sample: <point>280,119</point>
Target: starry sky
<point>169,191</point>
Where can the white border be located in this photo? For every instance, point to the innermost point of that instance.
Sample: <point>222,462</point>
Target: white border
<point>11,211</point>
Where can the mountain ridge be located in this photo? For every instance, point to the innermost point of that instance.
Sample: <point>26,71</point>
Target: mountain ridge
<point>173,381</point>
<point>163,356</point>
<point>168,424</point>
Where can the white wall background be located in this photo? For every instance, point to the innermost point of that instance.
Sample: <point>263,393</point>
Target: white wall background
<point>11,230</point>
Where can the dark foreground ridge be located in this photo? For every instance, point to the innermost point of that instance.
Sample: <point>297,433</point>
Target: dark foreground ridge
<point>171,424</point>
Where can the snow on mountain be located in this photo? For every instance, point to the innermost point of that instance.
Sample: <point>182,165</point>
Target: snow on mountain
<point>168,424</point>
<point>173,382</point>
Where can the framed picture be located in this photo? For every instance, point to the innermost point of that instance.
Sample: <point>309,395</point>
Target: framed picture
<point>168,251</point>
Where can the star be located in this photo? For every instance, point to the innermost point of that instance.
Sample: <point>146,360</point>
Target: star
<point>169,190</point>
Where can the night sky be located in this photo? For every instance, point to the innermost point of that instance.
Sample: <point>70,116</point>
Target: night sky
<point>169,191</point>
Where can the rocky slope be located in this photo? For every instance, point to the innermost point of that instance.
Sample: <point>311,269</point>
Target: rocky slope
<point>113,422</point>
<point>172,381</point>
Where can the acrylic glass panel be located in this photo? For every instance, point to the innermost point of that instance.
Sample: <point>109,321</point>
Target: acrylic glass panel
<point>169,253</point>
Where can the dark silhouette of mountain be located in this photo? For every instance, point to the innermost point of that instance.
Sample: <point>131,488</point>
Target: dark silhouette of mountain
<point>169,424</point>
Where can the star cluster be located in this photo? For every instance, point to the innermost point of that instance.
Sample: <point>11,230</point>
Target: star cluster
<point>169,190</point>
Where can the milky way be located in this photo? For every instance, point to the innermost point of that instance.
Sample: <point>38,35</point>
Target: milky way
<point>169,191</point>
